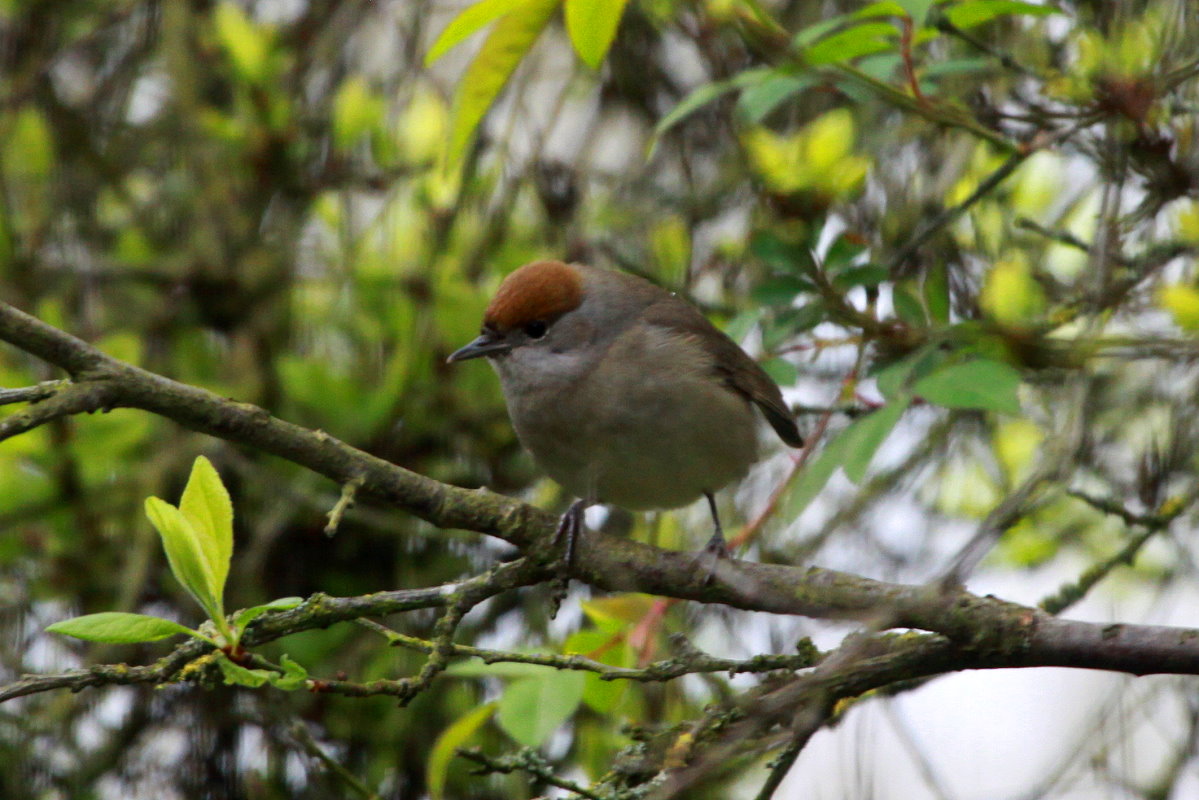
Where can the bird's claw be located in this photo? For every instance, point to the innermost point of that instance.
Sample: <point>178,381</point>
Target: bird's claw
<point>715,551</point>
<point>569,527</point>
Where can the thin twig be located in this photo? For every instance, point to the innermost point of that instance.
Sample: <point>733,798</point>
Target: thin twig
<point>530,761</point>
<point>30,394</point>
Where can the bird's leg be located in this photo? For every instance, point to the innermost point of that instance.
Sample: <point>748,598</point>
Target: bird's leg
<point>717,546</point>
<point>717,549</point>
<point>569,527</point>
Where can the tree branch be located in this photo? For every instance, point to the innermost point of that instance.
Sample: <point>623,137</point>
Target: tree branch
<point>1024,636</point>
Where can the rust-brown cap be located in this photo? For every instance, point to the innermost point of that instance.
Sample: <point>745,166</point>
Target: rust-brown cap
<point>541,290</point>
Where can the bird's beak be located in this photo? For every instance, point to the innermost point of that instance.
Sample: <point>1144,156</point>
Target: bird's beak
<point>489,343</point>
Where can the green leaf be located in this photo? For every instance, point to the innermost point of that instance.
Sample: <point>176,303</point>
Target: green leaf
<point>791,321</point>
<point>592,27</point>
<point>237,675</point>
<point>533,708</point>
<point>846,45</point>
<point>936,293</point>
<point>761,98</point>
<point>448,743</point>
<point>843,252</point>
<point>206,505</point>
<point>503,50</point>
<point>470,21</point>
<point>980,384</point>
<point>865,435</point>
<point>246,616</point>
<point>812,479</point>
<point>815,32</point>
<point>700,96</point>
<point>976,12</point>
<point>865,275</point>
<point>916,9</point>
<point>958,66</point>
<point>780,290</point>
<point>896,379</point>
<point>781,255</point>
<point>907,307</point>
<point>603,646</point>
<point>187,560</point>
<point>781,371</point>
<point>885,8</point>
<point>294,675</point>
<point>356,111</point>
<point>248,45</point>
<point>116,627</point>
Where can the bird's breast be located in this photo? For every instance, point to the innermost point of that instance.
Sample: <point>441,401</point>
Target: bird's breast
<point>648,425</point>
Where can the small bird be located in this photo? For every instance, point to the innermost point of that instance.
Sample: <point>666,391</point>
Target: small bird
<point>623,392</point>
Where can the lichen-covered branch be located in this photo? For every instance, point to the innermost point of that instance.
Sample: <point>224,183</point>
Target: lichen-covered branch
<point>1024,636</point>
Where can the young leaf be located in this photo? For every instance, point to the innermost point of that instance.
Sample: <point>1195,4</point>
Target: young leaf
<point>814,476</point>
<point>532,709</point>
<point>936,293</point>
<point>246,616</point>
<point>116,627</point>
<point>981,383</point>
<point>700,96</point>
<point>237,675</point>
<point>765,96</point>
<point>592,27</point>
<point>472,19</point>
<point>846,45</point>
<point>907,307</point>
<point>506,45</point>
<point>865,435</point>
<point>294,675</point>
<point>206,505</point>
<point>356,111</point>
<point>447,745</point>
<point>600,695</point>
<point>248,45</point>
<point>976,12</point>
<point>916,9</point>
<point>182,547</point>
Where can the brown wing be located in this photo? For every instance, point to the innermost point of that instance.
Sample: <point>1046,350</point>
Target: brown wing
<point>739,372</point>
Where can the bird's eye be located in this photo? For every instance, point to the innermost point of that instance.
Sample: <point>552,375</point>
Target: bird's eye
<point>535,329</point>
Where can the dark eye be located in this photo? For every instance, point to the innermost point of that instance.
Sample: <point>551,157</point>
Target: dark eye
<point>535,329</point>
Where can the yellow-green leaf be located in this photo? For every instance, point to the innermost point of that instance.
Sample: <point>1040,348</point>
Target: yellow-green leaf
<point>448,743</point>
<point>592,27</point>
<point>248,45</point>
<point>506,45</point>
<point>1183,304</point>
<point>473,18</point>
<point>981,383</point>
<point>115,627</point>
<point>206,505</point>
<point>863,438</point>
<point>533,708</point>
<point>976,12</point>
<point>181,544</point>
<point>248,615</point>
<point>356,110</point>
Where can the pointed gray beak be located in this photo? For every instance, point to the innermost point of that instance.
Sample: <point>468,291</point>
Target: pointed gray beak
<point>489,343</point>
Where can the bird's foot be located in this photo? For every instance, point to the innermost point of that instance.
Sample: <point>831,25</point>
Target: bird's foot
<point>567,533</point>
<point>715,551</point>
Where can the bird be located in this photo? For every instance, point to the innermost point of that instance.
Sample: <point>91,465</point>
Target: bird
<point>623,392</point>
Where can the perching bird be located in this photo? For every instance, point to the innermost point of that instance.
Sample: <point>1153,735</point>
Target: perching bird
<point>623,392</point>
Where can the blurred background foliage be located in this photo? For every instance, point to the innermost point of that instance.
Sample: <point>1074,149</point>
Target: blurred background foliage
<point>261,199</point>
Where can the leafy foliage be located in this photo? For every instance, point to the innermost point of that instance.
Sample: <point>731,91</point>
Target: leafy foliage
<point>961,234</point>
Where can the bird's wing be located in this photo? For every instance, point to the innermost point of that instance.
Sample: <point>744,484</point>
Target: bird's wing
<point>736,369</point>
